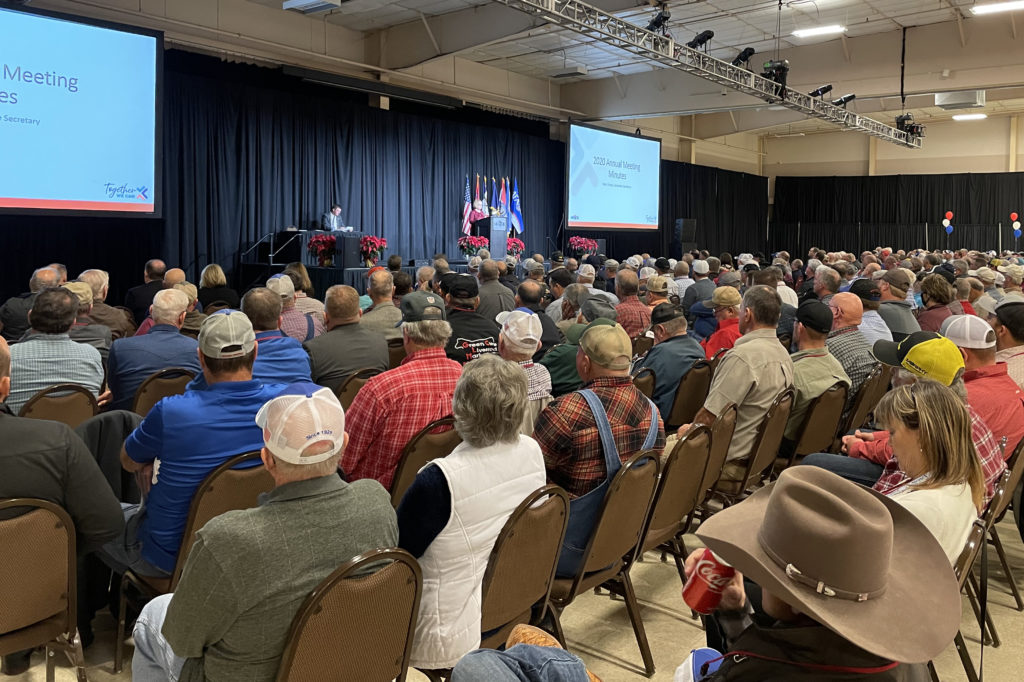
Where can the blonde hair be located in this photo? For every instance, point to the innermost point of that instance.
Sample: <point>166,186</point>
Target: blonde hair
<point>306,284</point>
<point>212,276</point>
<point>944,432</point>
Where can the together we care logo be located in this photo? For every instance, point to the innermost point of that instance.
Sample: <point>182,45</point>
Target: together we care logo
<point>125,191</point>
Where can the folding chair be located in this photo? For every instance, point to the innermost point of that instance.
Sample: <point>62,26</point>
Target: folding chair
<point>691,393</point>
<point>396,352</point>
<point>1015,465</point>
<point>717,358</point>
<point>721,438</point>
<point>358,623</point>
<point>864,401</point>
<point>642,345</point>
<point>39,589</point>
<point>427,445</point>
<point>159,385</point>
<point>226,488</point>
<point>644,381</point>
<point>766,445</point>
<point>68,403</point>
<point>347,390</point>
<point>820,427</point>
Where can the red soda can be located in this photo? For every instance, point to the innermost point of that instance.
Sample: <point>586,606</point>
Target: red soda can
<point>703,589</point>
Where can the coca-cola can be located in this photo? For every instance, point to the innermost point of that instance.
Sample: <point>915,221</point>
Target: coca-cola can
<point>703,590</point>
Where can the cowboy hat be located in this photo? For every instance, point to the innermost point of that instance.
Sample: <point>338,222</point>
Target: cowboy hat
<point>851,559</point>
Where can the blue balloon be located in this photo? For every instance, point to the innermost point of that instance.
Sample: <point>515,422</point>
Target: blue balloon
<point>949,229</point>
<point>1016,233</point>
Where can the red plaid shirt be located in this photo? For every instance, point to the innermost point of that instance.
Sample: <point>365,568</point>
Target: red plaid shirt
<point>634,316</point>
<point>392,407</point>
<point>568,436</point>
<point>992,464</point>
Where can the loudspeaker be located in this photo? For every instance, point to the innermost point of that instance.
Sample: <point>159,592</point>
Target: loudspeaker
<point>347,250</point>
<point>684,235</point>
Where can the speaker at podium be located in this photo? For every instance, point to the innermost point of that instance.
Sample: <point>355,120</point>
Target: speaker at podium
<point>495,229</point>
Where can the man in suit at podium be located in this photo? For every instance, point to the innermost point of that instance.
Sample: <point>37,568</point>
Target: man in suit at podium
<point>332,220</point>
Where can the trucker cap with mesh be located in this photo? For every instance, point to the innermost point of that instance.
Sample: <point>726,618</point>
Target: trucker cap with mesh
<point>301,416</point>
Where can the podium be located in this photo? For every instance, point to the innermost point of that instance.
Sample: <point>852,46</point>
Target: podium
<point>496,229</point>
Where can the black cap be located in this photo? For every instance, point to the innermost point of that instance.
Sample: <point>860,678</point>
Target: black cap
<point>463,286</point>
<point>751,267</point>
<point>557,257</point>
<point>815,315</point>
<point>665,312</point>
<point>948,274</point>
<point>866,289</point>
<point>445,283</point>
<point>662,264</point>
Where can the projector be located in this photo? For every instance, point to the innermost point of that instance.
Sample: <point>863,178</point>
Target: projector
<point>312,6</point>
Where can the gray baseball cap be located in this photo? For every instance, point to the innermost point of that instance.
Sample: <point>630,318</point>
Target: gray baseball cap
<point>226,334</point>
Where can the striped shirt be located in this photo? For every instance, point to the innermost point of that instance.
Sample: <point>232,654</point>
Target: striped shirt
<point>538,380</point>
<point>42,360</point>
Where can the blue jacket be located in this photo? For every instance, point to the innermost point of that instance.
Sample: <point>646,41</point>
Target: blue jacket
<point>132,360</point>
<point>280,359</point>
<point>704,321</point>
<point>671,360</point>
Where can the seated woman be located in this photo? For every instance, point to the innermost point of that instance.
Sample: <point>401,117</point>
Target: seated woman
<point>452,514</point>
<point>213,287</point>
<point>930,433</point>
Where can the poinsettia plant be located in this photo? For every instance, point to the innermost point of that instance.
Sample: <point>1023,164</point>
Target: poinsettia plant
<point>322,245</point>
<point>470,246</point>
<point>514,247</point>
<point>582,245</point>
<point>371,247</point>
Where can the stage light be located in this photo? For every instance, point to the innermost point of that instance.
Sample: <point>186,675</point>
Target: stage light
<point>701,39</point>
<point>822,91</point>
<point>969,117</point>
<point>744,56</point>
<point>998,7</point>
<point>777,70</point>
<point>906,123</point>
<point>844,100</point>
<point>659,20</point>
<point>819,31</point>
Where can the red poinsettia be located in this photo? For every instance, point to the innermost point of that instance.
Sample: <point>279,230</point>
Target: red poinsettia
<point>470,246</point>
<point>514,247</point>
<point>372,247</point>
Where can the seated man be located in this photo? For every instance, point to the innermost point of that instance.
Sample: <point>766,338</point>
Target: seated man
<point>84,329</point>
<point>184,438</point>
<point>121,323</point>
<point>299,326</point>
<point>392,407</point>
<point>134,359</point>
<point>139,298</point>
<point>473,335</point>
<point>847,343</point>
<point>725,303</point>
<point>346,347</point>
<point>47,355</point>
<point>383,315</point>
<point>1007,320</point>
<point>495,297</point>
<point>14,311</point>
<point>558,280</point>
<point>250,570</point>
<point>794,539</point>
<point>529,296</point>
<point>517,342</point>
<point>560,360</point>
<point>46,460</point>
<point>634,315</point>
<point>193,318</point>
<point>671,357</point>
<point>586,435</point>
<point>751,375</point>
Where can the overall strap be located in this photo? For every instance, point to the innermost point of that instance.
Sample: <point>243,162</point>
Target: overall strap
<point>612,462</point>
<point>652,433</point>
<point>309,326</point>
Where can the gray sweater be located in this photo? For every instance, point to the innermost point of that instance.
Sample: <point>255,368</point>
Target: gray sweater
<point>899,317</point>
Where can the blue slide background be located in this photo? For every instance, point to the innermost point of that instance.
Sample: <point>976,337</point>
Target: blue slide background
<point>594,197</point>
<point>104,133</point>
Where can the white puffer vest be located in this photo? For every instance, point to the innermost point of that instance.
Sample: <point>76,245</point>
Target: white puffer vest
<point>486,485</point>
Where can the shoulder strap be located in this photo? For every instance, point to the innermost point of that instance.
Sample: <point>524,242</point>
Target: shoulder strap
<point>612,462</point>
<point>652,433</point>
<point>309,326</point>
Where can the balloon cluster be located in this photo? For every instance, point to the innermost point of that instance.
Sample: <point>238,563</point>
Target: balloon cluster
<point>1016,225</point>
<point>946,224</point>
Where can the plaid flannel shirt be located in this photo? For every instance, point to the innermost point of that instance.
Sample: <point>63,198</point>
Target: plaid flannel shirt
<point>852,350</point>
<point>634,316</point>
<point>992,463</point>
<point>392,407</point>
<point>568,435</point>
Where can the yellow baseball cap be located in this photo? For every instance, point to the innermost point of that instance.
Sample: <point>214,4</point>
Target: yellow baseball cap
<point>923,354</point>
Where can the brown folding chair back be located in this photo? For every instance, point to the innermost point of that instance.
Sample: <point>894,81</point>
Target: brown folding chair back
<point>868,395</point>
<point>679,487</point>
<point>429,444</point>
<point>642,345</point>
<point>972,547</point>
<point>68,403</point>
<point>215,306</point>
<point>1015,467</point>
<point>521,567</point>
<point>766,447</point>
<point>820,427</point>
<point>38,590</point>
<point>159,385</point>
<point>717,358</point>
<point>358,623</point>
<point>721,437</point>
<point>644,381</point>
<point>396,352</point>
<point>347,390</point>
<point>690,394</point>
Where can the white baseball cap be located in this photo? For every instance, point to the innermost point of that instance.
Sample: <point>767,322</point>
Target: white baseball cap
<point>522,331</point>
<point>700,267</point>
<point>647,273</point>
<point>226,334</point>
<point>301,416</point>
<point>968,331</point>
<point>282,286</point>
<point>586,270</point>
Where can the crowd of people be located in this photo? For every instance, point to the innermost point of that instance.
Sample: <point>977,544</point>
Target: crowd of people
<point>538,375</point>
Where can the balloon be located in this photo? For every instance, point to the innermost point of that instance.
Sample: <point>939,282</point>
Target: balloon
<point>949,215</point>
<point>1016,224</point>
<point>949,229</point>
<point>1016,234</point>
<point>1013,216</point>
<point>945,222</point>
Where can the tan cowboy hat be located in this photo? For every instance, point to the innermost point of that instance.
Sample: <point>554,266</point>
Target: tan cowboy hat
<point>848,557</point>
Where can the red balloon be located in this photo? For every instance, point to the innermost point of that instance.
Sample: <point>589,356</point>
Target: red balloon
<point>949,215</point>
<point>1013,216</point>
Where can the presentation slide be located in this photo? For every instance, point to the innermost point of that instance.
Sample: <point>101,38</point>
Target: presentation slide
<point>613,180</point>
<point>77,116</point>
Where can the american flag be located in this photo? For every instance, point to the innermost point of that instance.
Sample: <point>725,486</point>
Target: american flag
<point>466,208</point>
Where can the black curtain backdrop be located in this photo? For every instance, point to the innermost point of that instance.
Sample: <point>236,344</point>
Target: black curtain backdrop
<point>855,213</point>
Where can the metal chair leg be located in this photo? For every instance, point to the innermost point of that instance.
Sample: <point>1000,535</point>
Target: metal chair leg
<point>965,657</point>
<point>932,672</point>
<point>989,636</point>
<point>633,609</point>
<point>121,626</point>
<point>1010,577</point>
<point>556,621</point>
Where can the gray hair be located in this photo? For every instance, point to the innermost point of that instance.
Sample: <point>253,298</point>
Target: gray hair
<point>42,278</point>
<point>576,294</point>
<point>302,472</point>
<point>490,401</point>
<point>429,333</point>
<point>98,280</point>
<point>425,274</point>
<point>168,304</point>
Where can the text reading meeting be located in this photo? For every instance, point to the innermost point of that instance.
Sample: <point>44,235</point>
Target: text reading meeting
<point>77,116</point>
<point>613,180</point>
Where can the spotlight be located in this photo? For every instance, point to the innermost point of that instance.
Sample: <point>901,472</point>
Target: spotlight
<point>844,100</point>
<point>822,91</point>
<point>777,70</point>
<point>701,39</point>
<point>744,56</point>
<point>907,125</point>
<point>659,20</point>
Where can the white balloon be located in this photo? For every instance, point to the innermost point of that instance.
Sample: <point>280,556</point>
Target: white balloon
<point>1016,224</point>
<point>945,222</point>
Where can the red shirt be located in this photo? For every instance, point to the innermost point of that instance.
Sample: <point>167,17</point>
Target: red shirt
<point>392,407</point>
<point>968,308</point>
<point>998,400</point>
<point>634,316</point>
<point>724,337</point>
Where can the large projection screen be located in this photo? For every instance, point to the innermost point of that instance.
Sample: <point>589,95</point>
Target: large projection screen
<point>79,116</point>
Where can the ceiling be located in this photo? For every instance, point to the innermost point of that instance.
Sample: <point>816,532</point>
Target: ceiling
<point>369,15</point>
<point>737,24</point>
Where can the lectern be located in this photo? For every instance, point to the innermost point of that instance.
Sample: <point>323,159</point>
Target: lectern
<point>496,229</point>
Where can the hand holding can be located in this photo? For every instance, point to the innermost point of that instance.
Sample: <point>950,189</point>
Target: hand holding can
<point>707,581</point>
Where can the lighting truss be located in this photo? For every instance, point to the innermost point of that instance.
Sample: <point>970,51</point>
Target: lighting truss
<point>610,30</point>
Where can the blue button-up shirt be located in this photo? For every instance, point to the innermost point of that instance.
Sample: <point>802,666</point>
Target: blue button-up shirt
<point>280,359</point>
<point>134,359</point>
<point>670,360</point>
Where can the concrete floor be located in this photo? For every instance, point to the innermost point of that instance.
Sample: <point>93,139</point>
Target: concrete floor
<point>598,629</point>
